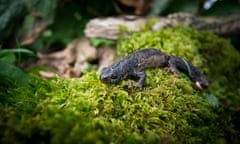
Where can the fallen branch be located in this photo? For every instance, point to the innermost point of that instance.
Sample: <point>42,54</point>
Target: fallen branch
<point>109,27</point>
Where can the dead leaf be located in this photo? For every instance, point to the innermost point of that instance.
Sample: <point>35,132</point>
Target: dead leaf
<point>47,74</point>
<point>84,52</point>
<point>70,61</point>
<point>137,7</point>
<point>106,57</point>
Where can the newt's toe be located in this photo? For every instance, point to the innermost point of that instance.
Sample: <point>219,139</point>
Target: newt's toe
<point>139,86</point>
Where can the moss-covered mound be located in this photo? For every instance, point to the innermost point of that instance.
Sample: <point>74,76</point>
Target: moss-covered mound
<point>167,110</point>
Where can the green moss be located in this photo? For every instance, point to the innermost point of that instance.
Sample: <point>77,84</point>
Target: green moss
<point>214,56</point>
<point>168,109</point>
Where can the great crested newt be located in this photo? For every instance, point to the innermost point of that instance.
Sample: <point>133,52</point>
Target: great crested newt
<point>133,64</point>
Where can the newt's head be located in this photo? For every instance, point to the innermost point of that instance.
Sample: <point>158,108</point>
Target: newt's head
<point>109,75</point>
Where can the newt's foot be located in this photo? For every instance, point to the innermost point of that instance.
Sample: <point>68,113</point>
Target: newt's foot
<point>172,70</point>
<point>138,86</point>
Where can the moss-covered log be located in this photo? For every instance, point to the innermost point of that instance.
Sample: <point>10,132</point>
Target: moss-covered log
<point>167,110</point>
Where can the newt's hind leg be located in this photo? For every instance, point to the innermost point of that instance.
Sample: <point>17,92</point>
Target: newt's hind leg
<point>172,69</point>
<point>142,77</point>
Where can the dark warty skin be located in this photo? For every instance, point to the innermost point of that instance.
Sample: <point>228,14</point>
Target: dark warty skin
<point>133,64</point>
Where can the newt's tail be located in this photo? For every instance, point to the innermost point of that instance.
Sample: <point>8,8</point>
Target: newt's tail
<point>193,73</point>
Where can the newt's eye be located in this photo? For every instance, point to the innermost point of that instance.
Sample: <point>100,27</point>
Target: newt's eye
<point>113,76</point>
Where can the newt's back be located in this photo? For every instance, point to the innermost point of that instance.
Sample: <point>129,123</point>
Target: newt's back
<point>147,58</point>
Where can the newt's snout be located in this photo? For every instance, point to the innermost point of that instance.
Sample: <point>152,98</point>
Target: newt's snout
<point>103,78</point>
<point>108,76</point>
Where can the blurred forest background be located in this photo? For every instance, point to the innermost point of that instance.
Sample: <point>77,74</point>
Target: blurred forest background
<point>44,25</point>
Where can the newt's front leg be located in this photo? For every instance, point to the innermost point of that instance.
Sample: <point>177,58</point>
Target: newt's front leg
<point>142,77</point>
